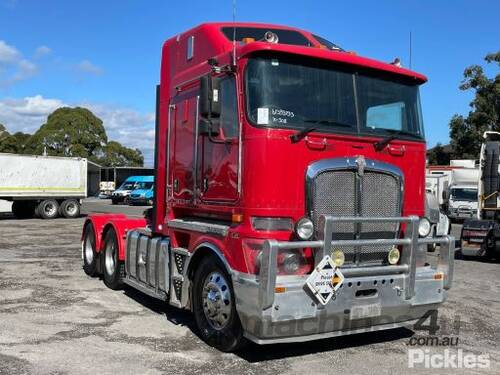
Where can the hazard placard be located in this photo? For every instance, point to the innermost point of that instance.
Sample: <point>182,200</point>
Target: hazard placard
<point>325,280</point>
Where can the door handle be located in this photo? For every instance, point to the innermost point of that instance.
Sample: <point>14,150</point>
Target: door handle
<point>316,145</point>
<point>397,150</point>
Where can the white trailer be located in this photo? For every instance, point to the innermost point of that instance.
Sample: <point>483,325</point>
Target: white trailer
<point>48,186</point>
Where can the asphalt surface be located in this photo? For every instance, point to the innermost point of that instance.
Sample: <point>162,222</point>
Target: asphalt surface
<point>56,320</point>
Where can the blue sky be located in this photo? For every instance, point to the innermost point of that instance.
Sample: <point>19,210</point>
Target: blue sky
<point>105,54</point>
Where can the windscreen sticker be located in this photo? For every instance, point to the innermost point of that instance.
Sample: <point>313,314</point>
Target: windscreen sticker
<point>262,116</point>
<point>281,116</point>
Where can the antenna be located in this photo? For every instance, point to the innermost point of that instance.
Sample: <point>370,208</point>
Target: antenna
<point>410,49</point>
<point>234,32</point>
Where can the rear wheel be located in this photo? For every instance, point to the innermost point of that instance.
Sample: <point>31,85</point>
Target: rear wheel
<point>70,208</point>
<point>89,251</point>
<point>48,209</point>
<point>114,269</point>
<point>23,209</point>
<point>214,307</point>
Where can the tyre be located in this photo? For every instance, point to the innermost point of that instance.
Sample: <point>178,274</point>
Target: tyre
<point>70,208</point>
<point>114,201</point>
<point>214,307</point>
<point>23,209</point>
<point>89,251</point>
<point>113,268</point>
<point>48,209</point>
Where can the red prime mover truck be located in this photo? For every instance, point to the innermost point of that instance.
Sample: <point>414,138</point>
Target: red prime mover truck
<point>289,192</point>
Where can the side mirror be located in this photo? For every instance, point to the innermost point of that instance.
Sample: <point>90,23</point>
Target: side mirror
<point>209,96</point>
<point>208,127</point>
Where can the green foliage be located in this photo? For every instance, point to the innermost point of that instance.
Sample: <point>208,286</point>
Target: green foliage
<point>73,132</point>
<point>438,156</point>
<point>466,132</point>
<point>70,132</point>
<point>116,155</point>
<point>15,143</point>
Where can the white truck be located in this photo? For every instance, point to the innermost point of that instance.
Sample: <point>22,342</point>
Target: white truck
<point>463,193</point>
<point>47,186</point>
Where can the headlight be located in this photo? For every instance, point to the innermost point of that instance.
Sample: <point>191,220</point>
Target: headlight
<point>424,227</point>
<point>393,256</point>
<point>304,228</point>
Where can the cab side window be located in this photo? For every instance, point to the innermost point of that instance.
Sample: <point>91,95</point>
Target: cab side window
<point>229,108</point>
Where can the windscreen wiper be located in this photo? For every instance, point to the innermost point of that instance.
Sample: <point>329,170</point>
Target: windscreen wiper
<point>380,145</point>
<point>302,133</point>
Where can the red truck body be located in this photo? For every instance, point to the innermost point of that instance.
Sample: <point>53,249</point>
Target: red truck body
<point>210,188</point>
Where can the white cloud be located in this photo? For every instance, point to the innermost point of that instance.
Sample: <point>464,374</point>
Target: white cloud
<point>8,54</point>
<point>88,67</point>
<point>13,67</point>
<point>42,51</point>
<point>127,126</point>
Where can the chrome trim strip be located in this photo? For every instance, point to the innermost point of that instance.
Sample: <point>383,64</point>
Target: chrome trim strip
<point>198,226</point>
<point>195,150</point>
<point>167,156</point>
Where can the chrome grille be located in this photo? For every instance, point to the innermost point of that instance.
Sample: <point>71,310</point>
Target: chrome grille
<point>346,192</point>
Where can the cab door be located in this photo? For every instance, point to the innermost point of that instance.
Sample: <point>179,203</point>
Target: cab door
<point>183,131</point>
<point>218,180</point>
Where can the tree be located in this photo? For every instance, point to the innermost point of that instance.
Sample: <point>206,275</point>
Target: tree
<point>116,155</point>
<point>15,143</point>
<point>466,132</point>
<point>70,132</point>
<point>438,155</point>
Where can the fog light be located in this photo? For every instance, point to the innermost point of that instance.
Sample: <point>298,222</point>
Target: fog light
<point>304,228</point>
<point>338,258</point>
<point>291,263</point>
<point>393,257</point>
<point>424,227</point>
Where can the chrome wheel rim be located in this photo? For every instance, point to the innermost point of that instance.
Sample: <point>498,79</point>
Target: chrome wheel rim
<point>71,208</point>
<point>109,258</point>
<point>216,299</point>
<point>50,209</point>
<point>89,250</point>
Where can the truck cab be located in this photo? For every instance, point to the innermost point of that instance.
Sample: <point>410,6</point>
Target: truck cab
<point>462,203</point>
<point>289,192</point>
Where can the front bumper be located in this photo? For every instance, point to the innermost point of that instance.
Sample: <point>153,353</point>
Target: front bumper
<point>400,294</point>
<point>461,213</point>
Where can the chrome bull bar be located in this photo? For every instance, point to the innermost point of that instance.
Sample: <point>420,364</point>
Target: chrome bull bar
<point>407,264</point>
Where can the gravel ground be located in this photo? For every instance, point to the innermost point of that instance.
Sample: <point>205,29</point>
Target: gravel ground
<point>56,320</point>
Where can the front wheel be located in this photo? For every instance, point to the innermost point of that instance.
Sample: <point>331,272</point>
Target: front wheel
<point>214,307</point>
<point>114,269</point>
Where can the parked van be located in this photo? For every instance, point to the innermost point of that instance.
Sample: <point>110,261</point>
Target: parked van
<point>143,194</point>
<point>122,194</point>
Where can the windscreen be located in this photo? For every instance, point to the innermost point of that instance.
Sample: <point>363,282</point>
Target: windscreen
<point>143,185</point>
<point>285,93</point>
<point>464,194</point>
<point>128,186</point>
